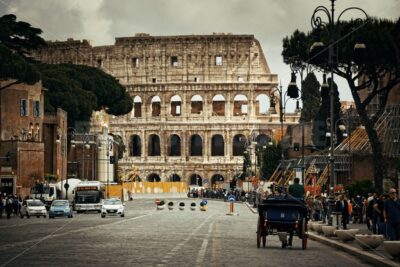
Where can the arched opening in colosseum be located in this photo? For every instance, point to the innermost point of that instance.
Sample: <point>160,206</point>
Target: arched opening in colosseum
<point>153,177</point>
<point>240,105</point>
<point>137,107</point>
<point>239,145</point>
<point>156,106</point>
<point>196,179</point>
<point>174,178</point>
<point>218,105</point>
<point>262,104</point>
<point>217,145</point>
<point>196,145</point>
<point>135,146</point>
<point>174,146</point>
<point>263,140</point>
<point>154,145</point>
<point>176,105</point>
<point>217,180</point>
<point>196,104</point>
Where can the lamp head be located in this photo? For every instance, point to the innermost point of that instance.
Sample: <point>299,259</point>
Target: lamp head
<point>293,90</point>
<point>359,52</point>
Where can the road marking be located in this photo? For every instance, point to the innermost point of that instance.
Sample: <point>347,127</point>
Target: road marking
<point>181,244</point>
<point>52,235</point>
<point>202,251</point>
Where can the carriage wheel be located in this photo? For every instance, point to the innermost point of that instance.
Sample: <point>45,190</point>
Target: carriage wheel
<point>264,240</point>
<point>258,234</point>
<point>304,234</point>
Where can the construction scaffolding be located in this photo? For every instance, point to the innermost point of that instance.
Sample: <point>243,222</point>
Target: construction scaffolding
<point>388,129</point>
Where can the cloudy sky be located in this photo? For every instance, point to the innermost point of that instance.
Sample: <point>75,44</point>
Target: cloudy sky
<point>269,20</point>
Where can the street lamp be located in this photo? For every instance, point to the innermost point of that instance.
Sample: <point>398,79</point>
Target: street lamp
<point>292,93</point>
<point>317,52</point>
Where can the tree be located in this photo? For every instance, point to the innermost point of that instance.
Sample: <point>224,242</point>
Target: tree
<point>310,97</point>
<point>77,89</point>
<point>80,89</point>
<point>16,69</point>
<point>16,40</point>
<point>378,71</point>
<point>270,158</point>
<point>19,36</point>
<point>320,126</point>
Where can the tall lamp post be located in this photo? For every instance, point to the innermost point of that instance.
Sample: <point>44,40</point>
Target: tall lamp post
<point>317,50</point>
<point>292,93</point>
<point>297,66</point>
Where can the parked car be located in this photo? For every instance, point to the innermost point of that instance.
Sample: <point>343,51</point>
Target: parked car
<point>113,207</point>
<point>60,208</point>
<point>33,207</point>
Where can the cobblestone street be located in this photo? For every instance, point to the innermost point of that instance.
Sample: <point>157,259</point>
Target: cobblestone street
<point>147,237</point>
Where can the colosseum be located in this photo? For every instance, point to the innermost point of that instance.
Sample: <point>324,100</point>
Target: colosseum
<point>200,101</point>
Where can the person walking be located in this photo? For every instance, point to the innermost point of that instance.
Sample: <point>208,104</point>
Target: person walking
<point>342,207</point>
<point>9,207</point>
<point>2,206</point>
<point>391,214</point>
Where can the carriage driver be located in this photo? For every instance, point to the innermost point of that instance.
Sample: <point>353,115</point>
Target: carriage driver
<point>296,189</point>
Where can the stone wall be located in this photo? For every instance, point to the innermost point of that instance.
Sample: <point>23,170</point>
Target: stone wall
<point>188,85</point>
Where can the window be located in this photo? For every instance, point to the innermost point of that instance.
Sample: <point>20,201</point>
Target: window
<point>196,79</point>
<point>174,61</point>
<point>99,63</point>
<point>24,107</point>
<point>36,108</point>
<point>135,62</point>
<point>154,80</point>
<point>218,60</point>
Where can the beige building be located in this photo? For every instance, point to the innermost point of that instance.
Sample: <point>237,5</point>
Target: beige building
<point>199,101</point>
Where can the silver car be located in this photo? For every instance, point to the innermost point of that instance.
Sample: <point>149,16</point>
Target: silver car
<point>33,207</point>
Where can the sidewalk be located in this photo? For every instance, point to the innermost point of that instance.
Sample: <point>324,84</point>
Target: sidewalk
<point>377,257</point>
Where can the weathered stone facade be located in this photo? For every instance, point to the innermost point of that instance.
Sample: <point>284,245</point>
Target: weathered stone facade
<point>199,101</point>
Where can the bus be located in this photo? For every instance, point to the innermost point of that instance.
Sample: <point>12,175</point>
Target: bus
<point>89,196</point>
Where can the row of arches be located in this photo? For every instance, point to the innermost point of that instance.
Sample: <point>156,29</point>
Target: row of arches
<point>194,179</point>
<point>239,145</point>
<point>240,105</point>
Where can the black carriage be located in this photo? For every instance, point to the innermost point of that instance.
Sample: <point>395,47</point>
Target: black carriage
<point>282,215</point>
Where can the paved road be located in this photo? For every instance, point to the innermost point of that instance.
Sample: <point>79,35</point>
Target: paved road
<point>147,237</point>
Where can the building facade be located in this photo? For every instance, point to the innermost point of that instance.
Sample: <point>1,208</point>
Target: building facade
<point>200,101</point>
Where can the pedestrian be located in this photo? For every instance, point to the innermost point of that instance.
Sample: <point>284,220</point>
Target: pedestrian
<point>317,208</point>
<point>2,205</point>
<point>342,207</point>
<point>9,207</point>
<point>15,205</point>
<point>372,200</point>
<point>379,207</point>
<point>391,215</point>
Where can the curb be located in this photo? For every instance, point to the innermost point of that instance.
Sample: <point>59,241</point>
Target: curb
<point>251,208</point>
<point>363,255</point>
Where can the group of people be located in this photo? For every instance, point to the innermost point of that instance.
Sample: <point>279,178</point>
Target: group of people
<point>9,205</point>
<point>381,212</point>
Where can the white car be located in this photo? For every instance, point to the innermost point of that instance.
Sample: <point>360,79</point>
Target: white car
<point>33,207</point>
<point>113,207</point>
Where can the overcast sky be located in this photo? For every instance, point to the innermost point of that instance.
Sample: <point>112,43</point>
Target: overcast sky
<point>269,20</point>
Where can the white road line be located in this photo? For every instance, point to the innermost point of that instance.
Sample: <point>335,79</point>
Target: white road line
<point>202,251</point>
<point>52,235</point>
<point>181,244</point>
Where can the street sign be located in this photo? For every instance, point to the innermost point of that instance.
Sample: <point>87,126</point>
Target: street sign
<point>66,186</point>
<point>232,198</point>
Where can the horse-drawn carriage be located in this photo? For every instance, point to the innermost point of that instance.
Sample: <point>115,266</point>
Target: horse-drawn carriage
<point>282,215</point>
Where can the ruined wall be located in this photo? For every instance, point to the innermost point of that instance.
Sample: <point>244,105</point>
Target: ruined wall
<point>184,67</point>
